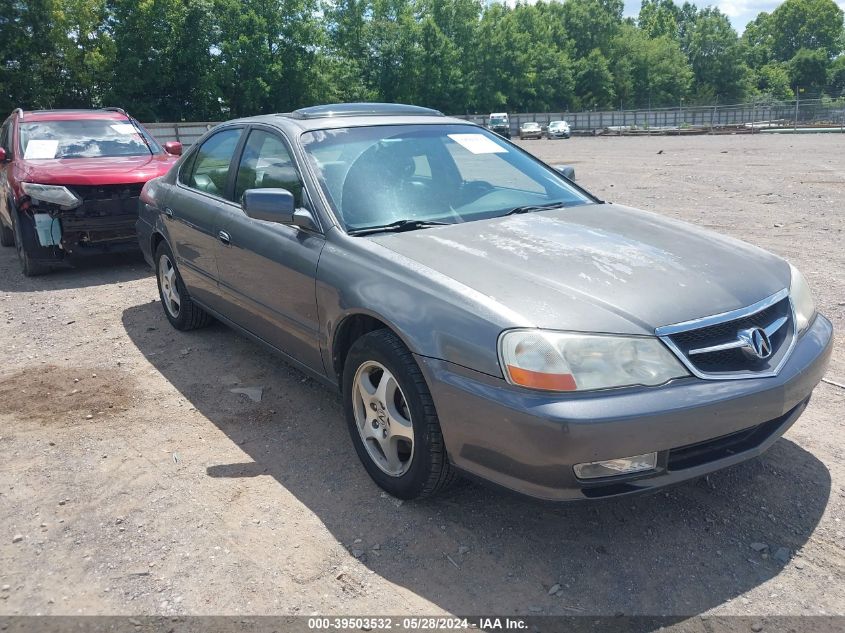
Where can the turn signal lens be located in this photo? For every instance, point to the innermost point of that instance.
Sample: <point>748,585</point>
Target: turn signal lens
<point>539,380</point>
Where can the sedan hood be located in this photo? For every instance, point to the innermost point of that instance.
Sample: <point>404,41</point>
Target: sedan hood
<point>598,268</point>
<point>104,170</point>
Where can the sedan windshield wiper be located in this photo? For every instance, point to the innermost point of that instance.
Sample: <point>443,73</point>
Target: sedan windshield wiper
<point>535,207</point>
<point>397,227</point>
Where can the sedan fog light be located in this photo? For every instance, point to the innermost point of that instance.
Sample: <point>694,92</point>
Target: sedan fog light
<point>615,467</point>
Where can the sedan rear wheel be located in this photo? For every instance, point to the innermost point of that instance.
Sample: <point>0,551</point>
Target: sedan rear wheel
<point>167,282</point>
<point>392,419</point>
<point>182,313</point>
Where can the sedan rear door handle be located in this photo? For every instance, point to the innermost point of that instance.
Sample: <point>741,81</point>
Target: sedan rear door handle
<point>224,237</point>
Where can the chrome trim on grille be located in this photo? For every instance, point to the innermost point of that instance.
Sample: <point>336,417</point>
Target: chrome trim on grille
<point>695,324</point>
<point>665,333</point>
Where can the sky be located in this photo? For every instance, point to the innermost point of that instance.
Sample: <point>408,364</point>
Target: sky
<point>740,12</point>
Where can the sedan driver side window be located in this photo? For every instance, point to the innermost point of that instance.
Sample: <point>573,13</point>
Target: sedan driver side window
<point>266,163</point>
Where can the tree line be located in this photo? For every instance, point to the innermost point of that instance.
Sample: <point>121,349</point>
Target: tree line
<point>216,59</point>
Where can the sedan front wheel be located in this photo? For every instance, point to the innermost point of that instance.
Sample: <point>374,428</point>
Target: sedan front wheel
<point>392,419</point>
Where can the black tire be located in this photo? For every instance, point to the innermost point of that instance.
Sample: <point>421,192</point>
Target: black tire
<point>429,471</point>
<point>24,240</point>
<point>188,315</point>
<point>7,235</point>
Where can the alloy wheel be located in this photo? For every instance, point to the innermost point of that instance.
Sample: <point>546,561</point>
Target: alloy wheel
<point>167,283</point>
<point>383,418</point>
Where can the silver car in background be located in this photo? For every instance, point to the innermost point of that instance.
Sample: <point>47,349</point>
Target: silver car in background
<point>530,129</point>
<point>479,312</point>
<point>558,129</point>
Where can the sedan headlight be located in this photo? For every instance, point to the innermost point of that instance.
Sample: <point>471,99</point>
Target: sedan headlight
<point>802,300</point>
<point>565,361</point>
<point>61,196</point>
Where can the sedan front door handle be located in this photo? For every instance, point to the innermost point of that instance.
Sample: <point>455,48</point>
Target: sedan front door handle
<point>224,237</point>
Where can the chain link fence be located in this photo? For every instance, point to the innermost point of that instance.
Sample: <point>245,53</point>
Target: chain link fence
<point>810,115</point>
<point>815,115</point>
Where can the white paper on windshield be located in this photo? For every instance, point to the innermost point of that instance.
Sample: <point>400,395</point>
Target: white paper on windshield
<point>478,144</point>
<point>124,128</point>
<point>41,148</point>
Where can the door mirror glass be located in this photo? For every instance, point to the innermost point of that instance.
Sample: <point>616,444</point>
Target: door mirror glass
<point>567,171</point>
<point>173,147</point>
<point>270,205</point>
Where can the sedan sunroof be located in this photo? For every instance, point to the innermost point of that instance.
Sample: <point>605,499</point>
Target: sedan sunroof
<point>362,109</point>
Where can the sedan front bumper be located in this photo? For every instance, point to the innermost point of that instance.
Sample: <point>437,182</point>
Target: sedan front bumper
<point>529,441</point>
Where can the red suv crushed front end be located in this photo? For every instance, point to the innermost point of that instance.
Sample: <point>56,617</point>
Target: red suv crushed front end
<point>70,182</point>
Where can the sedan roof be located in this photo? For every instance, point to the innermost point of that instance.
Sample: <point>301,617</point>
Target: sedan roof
<point>66,115</point>
<point>295,124</point>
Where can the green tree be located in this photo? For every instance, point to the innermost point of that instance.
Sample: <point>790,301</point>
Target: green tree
<point>159,64</point>
<point>594,81</point>
<point>836,77</point>
<point>808,24</point>
<point>773,81</point>
<point>757,41</point>
<point>393,34</point>
<point>659,18</point>
<point>30,69</point>
<point>649,72</point>
<point>346,23</point>
<point>84,51</point>
<point>592,24</point>
<point>269,54</point>
<point>808,69</point>
<point>717,58</point>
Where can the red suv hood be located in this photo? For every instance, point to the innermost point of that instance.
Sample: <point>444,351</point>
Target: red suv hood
<point>96,171</point>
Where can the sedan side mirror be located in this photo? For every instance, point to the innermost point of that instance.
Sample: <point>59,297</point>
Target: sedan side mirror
<point>173,147</point>
<point>567,171</point>
<point>276,205</point>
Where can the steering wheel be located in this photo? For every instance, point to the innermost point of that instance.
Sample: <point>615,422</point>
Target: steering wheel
<point>472,190</point>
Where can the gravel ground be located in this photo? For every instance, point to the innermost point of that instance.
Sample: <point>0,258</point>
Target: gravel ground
<point>133,481</point>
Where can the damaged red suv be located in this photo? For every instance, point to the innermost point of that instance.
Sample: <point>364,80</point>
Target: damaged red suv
<point>70,181</point>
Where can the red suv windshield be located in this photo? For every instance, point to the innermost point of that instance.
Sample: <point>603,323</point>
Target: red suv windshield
<point>83,138</point>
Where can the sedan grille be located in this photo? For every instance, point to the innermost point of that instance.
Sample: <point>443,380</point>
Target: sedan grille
<point>107,200</point>
<point>108,192</point>
<point>744,344</point>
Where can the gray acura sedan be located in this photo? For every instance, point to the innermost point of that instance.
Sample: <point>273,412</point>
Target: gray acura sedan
<point>479,311</point>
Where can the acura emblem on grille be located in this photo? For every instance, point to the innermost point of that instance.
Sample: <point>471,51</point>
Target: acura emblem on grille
<point>756,342</point>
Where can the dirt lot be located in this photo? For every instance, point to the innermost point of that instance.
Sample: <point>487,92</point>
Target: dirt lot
<point>133,481</point>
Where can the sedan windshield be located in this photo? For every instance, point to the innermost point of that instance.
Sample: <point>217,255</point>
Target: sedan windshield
<point>378,176</point>
<point>84,138</point>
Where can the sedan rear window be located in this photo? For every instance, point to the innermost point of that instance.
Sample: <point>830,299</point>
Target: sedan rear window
<point>377,175</point>
<point>84,138</point>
